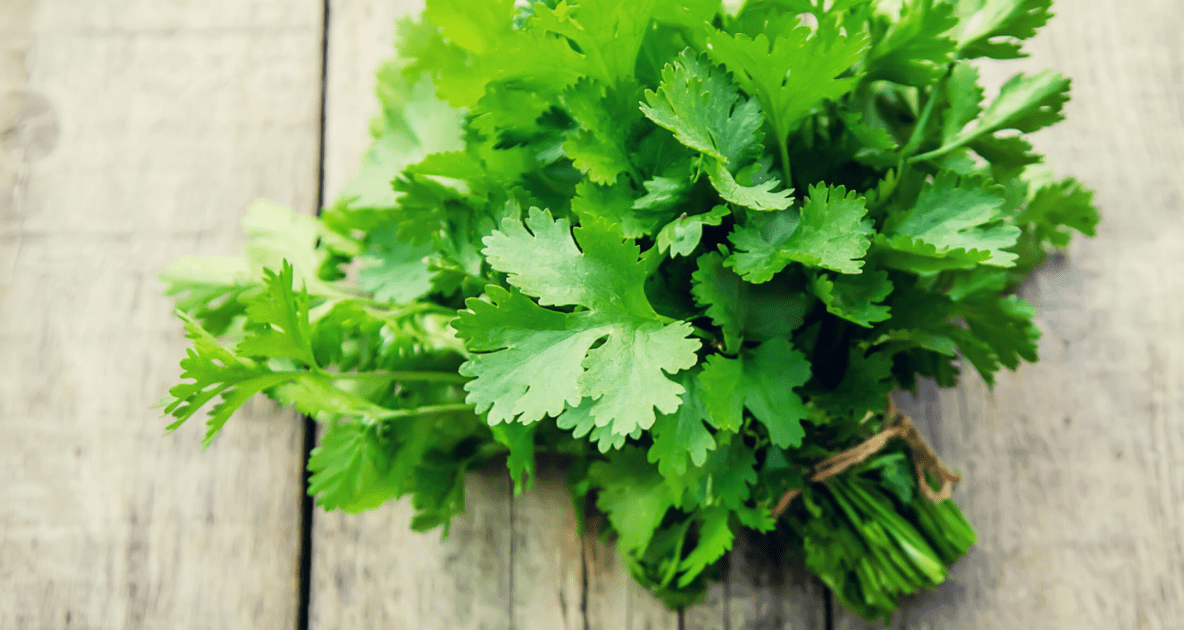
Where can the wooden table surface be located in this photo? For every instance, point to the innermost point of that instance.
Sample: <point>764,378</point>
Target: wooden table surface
<point>135,131</point>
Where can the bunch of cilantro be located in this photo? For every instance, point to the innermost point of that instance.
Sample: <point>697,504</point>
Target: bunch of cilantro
<point>689,248</point>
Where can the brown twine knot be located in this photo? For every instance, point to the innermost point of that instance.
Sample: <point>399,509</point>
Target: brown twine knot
<point>922,455</point>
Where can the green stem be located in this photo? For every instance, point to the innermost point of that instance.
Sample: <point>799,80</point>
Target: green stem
<point>918,135</point>
<point>426,410</point>
<point>419,377</point>
<point>783,145</point>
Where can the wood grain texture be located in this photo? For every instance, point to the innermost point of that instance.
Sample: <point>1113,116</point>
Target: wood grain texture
<point>370,569</point>
<point>1075,465</point>
<point>131,133</point>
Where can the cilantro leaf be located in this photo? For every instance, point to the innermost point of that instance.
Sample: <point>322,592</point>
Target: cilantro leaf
<point>633,495</point>
<point>915,49</point>
<point>706,113</point>
<point>215,371</point>
<point>830,232</point>
<point>681,236</point>
<point>724,479</point>
<point>1000,332</point>
<point>601,145</point>
<point>757,196</point>
<point>955,223</point>
<point>993,28</point>
<point>741,309</point>
<point>613,204</point>
<point>682,435</point>
<point>1025,103</point>
<point>608,34</point>
<point>791,71</point>
<point>715,539</point>
<point>533,362</point>
<point>541,359</point>
<point>519,438</point>
<point>855,298</point>
<point>1060,205</point>
<point>864,387</point>
<point>402,274</point>
<point>351,469</point>
<point>279,319</point>
<point>761,380</point>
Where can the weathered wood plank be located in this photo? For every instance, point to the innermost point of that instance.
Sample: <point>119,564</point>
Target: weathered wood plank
<point>370,569</point>
<point>133,133</point>
<point>767,592</point>
<point>547,558</point>
<point>1075,466</point>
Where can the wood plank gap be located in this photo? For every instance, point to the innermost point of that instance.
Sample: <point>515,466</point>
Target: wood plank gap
<point>584,570</point>
<point>828,608</point>
<point>510,599</point>
<point>307,501</point>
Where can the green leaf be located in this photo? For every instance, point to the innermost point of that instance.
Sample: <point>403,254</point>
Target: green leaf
<point>715,539</point>
<point>1064,204</point>
<point>480,27</point>
<point>965,99</point>
<point>519,438</point>
<point>530,363</point>
<point>915,48</point>
<point>762,380</point>
<point>633,495</point>
<point>999,332</point>
<point>601,146</point>
<point>724,479</point>
<point>351,469</point>
<point>279,320</point>
<point>682,435</point>
<point>209,289</point>
<point>401,274</point>
<point>864,387</point>
<point>790,70</point>
<point>538,359</point>
<point>608,34</point>
<point>855,298</point>
<point>681,236</point>
<point>955,223</point>
<point>705,111</point>
<point>756,196</point>
<point>742,310</point>
<point>1024,103</point>
<point>993,28</point>
<point>830,232</point>
<point>613,204</point>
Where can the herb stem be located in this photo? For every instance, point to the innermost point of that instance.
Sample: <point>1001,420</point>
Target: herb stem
<point>421,377</point>
<point>783,145</point>
<point>426,410</point>
<point>918,135</point>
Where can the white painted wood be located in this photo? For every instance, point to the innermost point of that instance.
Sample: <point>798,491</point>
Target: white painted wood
<point>132,133</point>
